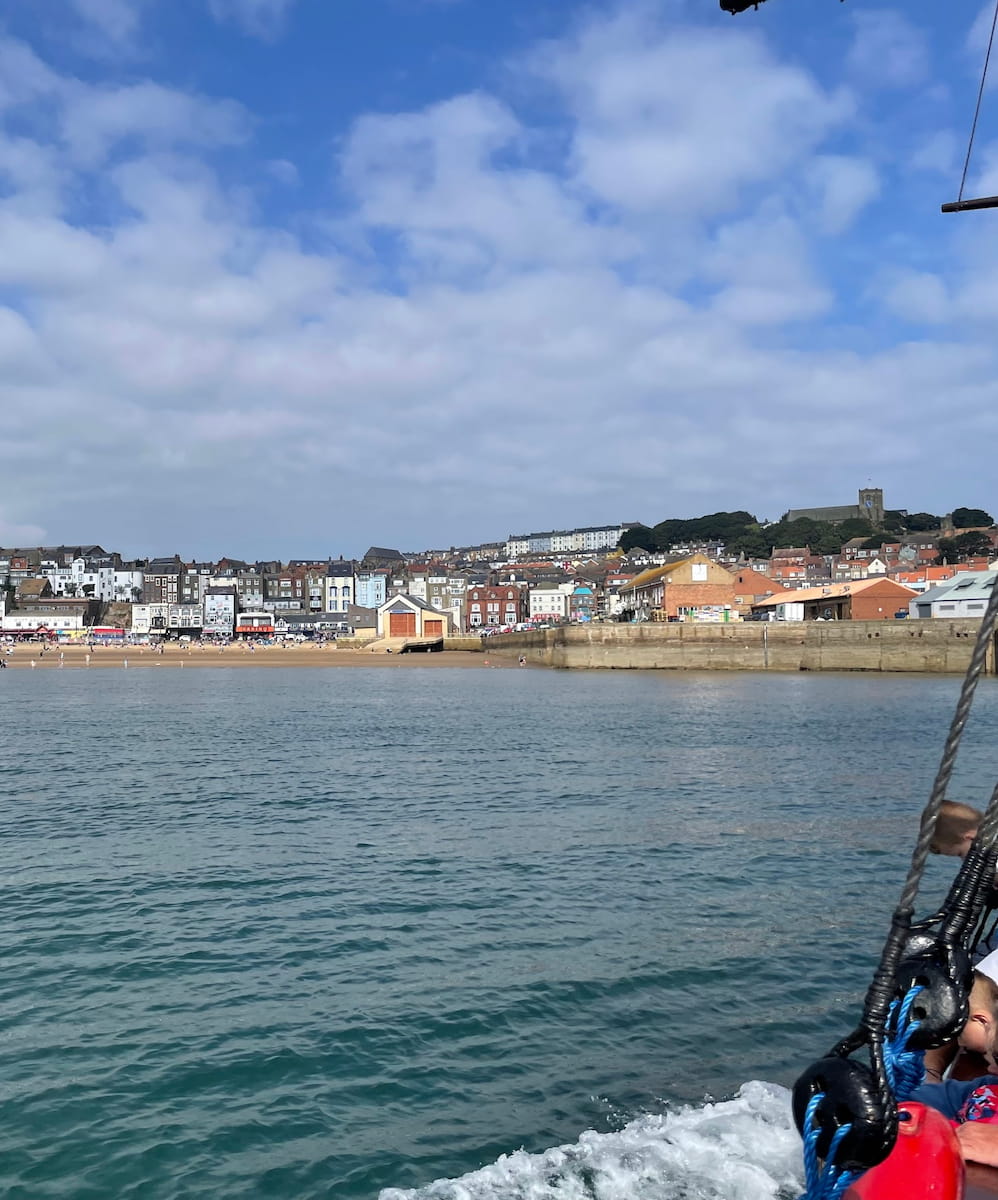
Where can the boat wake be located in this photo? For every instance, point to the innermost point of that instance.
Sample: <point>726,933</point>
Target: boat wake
<point>741,1149</point>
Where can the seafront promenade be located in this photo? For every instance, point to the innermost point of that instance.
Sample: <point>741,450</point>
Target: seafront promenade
<point>941,647</point>
<point>182,655</point>
<point>937,647</point>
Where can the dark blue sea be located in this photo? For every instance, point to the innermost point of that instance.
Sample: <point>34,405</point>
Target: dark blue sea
<point>491,934</point>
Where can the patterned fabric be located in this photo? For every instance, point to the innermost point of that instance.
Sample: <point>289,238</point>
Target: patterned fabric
<point>980,1105</point>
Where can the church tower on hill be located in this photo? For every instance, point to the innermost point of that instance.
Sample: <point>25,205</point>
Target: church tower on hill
<point>871,506</point>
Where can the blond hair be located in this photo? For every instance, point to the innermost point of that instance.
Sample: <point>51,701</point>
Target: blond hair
<point>955,822</point>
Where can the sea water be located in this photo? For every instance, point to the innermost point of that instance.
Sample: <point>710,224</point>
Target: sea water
<point>482,934</point>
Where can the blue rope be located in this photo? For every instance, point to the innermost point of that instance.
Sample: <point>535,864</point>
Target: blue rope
<point>905,1072</point>
<point>905,1068</point>
<point>830,1181</point>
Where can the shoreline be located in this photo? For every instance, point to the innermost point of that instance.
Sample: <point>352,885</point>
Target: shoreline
<point>72,657</point>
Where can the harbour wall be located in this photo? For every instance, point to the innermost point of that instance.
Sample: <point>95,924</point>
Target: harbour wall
<point>935,646</point>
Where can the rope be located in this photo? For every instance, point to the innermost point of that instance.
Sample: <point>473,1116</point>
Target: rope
<point>938,795</point>
<point>963,906</point>
<point>905,1068</point>
<point>977,110</point>
<point>827,1181</point>
<point>880,993</point>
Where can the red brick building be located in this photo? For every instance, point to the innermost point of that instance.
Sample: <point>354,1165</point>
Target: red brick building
<point>494,606</point>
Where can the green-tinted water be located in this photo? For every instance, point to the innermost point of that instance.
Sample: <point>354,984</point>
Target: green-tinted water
<point>320,933</point>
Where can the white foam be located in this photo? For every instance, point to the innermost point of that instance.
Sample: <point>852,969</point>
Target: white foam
<point>741,1149</point>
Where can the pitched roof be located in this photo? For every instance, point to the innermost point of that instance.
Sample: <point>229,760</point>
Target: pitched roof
<point>33,588</point>
<point>415,601</point>
<point>965,585</point>
<point>835,591</point>
<point>654,573</point>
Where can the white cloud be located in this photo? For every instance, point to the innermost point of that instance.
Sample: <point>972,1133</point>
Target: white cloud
<point>15,533</point>
<point>841,187</point>
<point>24,78</point>
<point>260,18</point>
<point>888,51</point>
<point>647,105</point>
<point>936,152</point>
<point>284,172</point>
<point>521,336</point>
<point>919,297</point>
<point>47,255</point>
<point>95,120</point>
<point>433,177</point>
<point>116,20</point>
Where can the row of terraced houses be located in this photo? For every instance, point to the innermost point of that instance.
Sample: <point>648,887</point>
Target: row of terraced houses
<point>527,580</point>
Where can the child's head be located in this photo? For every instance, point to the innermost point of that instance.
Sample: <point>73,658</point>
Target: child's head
<point>955,829</point>
<point>980,1034</point>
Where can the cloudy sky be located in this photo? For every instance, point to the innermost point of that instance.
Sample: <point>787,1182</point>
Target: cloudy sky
<point>291,277</point>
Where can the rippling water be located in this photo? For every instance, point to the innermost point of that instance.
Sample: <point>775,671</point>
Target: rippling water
<point>348,932</point>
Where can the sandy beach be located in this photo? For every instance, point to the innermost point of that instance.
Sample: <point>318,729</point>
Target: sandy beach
<point>182,655</point>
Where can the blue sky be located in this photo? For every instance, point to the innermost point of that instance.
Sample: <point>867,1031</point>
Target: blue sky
<point>291,277</point>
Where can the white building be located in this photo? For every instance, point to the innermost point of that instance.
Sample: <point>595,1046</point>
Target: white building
<point>160,619</point>
<point>517,544</point>
<point>219,607</point>
<point>21,622</point>
<point>340,586</point>
<point>965,595</point>
<point>126,584</point>
<point>550,603</point>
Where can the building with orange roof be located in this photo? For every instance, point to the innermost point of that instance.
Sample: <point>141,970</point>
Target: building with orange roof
<point>690,589</point>
<point>751,587</point>
<point>858,600</point>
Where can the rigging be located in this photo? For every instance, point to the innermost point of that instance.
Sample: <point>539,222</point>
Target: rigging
<point>959,204</point>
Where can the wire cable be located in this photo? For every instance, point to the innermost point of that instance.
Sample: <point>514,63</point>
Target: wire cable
<point>977,109</point>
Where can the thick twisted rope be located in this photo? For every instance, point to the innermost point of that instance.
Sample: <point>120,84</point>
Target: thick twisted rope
<point>905,1068</point>
<point>823,1181</point>
<point>880,994</point>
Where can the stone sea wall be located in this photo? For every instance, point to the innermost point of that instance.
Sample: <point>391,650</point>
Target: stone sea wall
<point>936,646</point>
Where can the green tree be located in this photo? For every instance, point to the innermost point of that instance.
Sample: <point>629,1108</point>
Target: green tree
<point>753,543</point>
<point>948,552</point>
<point>855,528</point>
<point>640,537</point>
<point>921,522</point>
<point>972,543</point>
<point>666,533</point>
<point>970,518</point>
<point>822,537</point>
<point>724,527</point>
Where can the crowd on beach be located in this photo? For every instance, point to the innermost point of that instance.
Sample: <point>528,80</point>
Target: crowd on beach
<point>235,653</point>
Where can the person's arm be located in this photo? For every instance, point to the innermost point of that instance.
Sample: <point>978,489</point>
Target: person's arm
<point>948,1097</point>
<point>937,1061</point>
<point>979,1142</point>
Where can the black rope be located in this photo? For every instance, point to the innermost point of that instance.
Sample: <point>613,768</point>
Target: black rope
<point>977,109</point>
<point>927,828</point>
<point>964,904</point>
<point>881,991</point>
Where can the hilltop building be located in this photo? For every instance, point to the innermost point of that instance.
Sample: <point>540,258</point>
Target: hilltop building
<point>870,508</point>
